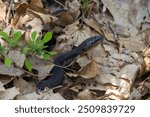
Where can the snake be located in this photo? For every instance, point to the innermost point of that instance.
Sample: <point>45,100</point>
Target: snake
<point>57,72</point>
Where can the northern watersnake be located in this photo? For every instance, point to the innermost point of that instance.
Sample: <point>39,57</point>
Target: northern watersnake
<point>57,72</point>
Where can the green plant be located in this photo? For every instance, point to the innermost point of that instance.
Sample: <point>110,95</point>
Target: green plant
<point>34,46</point>
<point>13,39</point>
<point>37,46</point>
<point>84,4</point>
<point>28,64</point>
<point>3,51</point>
<point>8,61</point>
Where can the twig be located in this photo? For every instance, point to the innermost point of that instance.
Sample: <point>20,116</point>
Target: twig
<point>59,3</point>
<point>34,74</point>
<point>8,13</point>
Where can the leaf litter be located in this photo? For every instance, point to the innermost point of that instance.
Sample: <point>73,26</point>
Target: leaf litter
<point>118,68</point>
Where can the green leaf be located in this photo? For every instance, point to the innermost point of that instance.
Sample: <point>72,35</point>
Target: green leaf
<point>28,65</point>
<point>26,50</point>
<point>46,56</point>
<point>8,61</point>
<point>47,37</point>
<point>52,53</point>
<point>5,36</point>
<point>17,36</point>
<point>84,4</point>
<point>33,36</point>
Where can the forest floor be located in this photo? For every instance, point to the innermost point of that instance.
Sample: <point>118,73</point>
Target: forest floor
<point>118,68</point>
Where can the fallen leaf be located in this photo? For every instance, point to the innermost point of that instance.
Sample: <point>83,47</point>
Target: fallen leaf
<point>9,94</point>
<point>97,53</point>
<point>18,59</point>
<point>43,67</point>
<point>65,19</point>
<point>12,71</point>
<point>20,10</point>
<point>46,18</point>
<point>93,24</point>
<point>36,25</point>
<point>36,3</point>
<point>5,79</point>
<point>83,61</point>
<point>24,87</point>
<point>84,95</point>
<point>3,11</point>
<point>91,70</point>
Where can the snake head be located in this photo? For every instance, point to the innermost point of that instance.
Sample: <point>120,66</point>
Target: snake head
<point>90,42</point>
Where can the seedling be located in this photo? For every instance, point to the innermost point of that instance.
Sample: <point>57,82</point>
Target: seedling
<point>12,40</point>
<point>37,46</point>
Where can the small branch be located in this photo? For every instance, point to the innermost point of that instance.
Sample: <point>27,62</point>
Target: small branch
<point>59,3</point>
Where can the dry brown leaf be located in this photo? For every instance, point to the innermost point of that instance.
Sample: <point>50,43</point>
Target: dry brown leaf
<point>74,5</point>
<point>133,43</point>
<point>127,13</point>
<point>106,78</point>
<point>129,73</point>
<point>115,95</point>
<point>83,61</point>
<point>123,57</point>
<point>97,53</point>
<point>65,19</point>
<point>110,48</point>
<point>43,67</point>
<point>147,63</point>
<point>20,12</point>
<point>84,95</point>
<point>91,70</point>
<point>25,87</point>
<point>2,11</point>
<point>36,25</point>
<point>93,24</point>
<point>25,12</point>
<point>12,71</point>
<point>22,21</point>
<point>9,94</point>
<point>36,3</point>
<point>123,81</point>
<point>46,18</point>
<point>5,79</point>
<point>18,59</point>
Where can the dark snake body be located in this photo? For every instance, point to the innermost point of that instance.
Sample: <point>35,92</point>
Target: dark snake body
<point>57,72</point>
